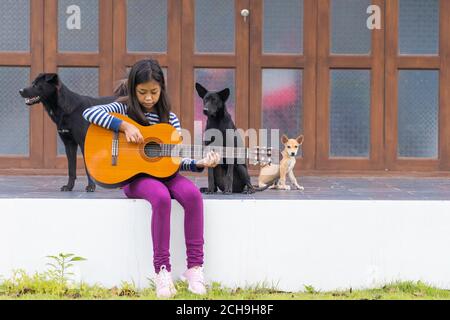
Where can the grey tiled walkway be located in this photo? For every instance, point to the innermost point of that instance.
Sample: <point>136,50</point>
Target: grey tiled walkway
<point>341,188</point>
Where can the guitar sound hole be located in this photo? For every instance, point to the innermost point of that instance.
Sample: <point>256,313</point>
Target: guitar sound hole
<point>152,150</point>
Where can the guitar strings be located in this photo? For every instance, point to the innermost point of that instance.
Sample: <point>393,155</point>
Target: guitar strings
<point>240,149</point>
<point>167,150</point>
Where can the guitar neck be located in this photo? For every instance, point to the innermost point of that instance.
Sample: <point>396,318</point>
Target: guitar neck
<point>198,151</point>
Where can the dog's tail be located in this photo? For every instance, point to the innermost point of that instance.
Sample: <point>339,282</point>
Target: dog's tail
<point>258,188</point>
<point>270,183</point>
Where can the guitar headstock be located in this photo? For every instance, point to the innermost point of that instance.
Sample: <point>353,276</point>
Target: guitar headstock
<point>260,155</point>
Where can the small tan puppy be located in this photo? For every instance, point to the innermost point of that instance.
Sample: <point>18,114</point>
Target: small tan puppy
<point>274,175</point>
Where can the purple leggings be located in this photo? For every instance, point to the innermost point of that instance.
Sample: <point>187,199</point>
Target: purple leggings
<point>159,194</point>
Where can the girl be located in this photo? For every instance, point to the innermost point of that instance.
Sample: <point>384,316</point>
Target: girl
<point>147,103</point>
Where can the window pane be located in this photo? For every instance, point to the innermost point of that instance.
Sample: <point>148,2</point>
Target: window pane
<point>147,25</point>
<point>83,81</point>
<point>15,29</point>
<point>350,113</point>
<point>14,113</point>
<point>214,26</point>
<point>283,26</point>
<point>349,32</point>
<point>419,26</point>
<point>213,80</point>
<point>418,113</point>
<point>282,105</point>
<point>78,25</point>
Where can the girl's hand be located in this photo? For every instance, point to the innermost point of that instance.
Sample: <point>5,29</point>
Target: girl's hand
<point>132,133</point>
<point>211,160</point>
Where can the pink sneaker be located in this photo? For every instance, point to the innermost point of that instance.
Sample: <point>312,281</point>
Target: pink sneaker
<point>195,279</point>
<point>164,284</point>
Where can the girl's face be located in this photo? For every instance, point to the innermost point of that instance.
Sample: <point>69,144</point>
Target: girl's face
<point>148,94</point>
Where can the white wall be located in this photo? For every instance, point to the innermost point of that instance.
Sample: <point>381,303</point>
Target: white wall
<point>324,243</point>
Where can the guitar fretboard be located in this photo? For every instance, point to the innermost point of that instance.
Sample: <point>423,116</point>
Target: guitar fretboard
<point>198,151</point>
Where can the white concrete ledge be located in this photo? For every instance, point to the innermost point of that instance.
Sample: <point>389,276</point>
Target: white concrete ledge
<point>324,243</point>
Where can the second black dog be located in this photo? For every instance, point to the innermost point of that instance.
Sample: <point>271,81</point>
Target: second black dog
<point>65,108</point>
<point>229,178</point>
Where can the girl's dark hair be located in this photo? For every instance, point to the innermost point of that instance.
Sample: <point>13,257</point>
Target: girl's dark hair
<point>142,72</point>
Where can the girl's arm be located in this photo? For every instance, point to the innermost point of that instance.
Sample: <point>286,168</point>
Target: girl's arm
<point>100,116</point>
<point>190,165</point>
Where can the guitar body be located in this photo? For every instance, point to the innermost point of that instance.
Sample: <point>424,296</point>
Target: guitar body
<point>132,159</point>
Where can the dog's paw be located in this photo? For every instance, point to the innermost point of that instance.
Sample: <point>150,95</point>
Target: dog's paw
<point>286,187</point>
<point>90,188</point>
<point>228,192</point>
<point>206,191</point>
<point>66,188</point>
<point>299,187</point>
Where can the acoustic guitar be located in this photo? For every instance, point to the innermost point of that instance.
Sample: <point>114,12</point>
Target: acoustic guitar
<point>112,162</point>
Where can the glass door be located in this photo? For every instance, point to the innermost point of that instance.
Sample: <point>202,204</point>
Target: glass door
<point>350,85</point>
<point>21,59</point>
<point>77,46</point>
<point>215,53</point>
<point>417,81</point>
<point>144,29</point>
<point>283,71</point>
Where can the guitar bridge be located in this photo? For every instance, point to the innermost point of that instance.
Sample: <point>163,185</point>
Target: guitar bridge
<point>115,149</point>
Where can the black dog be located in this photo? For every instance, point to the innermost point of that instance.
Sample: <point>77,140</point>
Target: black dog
<point>65,108</point>
<point>229,178</point>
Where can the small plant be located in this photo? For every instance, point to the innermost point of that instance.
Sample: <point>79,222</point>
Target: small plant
<point>310,289</point>
<point>62,263</point>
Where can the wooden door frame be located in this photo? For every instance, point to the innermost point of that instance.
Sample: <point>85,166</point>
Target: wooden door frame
<point>53,59</point>
<point>395,62</point>
<point>305,62</point>
<point>327,62</point>
<point>32,59</point>
<point>190,60</point>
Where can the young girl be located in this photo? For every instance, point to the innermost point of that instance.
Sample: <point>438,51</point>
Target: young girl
<point>147,104</point>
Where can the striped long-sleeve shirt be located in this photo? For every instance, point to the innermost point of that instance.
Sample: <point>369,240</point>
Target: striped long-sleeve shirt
<point>99,115</point>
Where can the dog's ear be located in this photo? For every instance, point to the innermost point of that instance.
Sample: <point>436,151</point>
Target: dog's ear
<point>51,78</point>
<point>121,90</point>
<point>200,90</point>
<point>284,139</point>
<point>300,139</point>
<point>40,76</point>
<point>224,94</point>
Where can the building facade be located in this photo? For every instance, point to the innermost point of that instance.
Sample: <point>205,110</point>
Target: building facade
<point>366,81</point>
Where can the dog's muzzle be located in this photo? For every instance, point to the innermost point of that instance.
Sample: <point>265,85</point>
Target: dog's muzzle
<point>31,101</point>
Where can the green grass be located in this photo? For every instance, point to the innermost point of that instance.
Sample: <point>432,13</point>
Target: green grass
<point>44,286</point>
